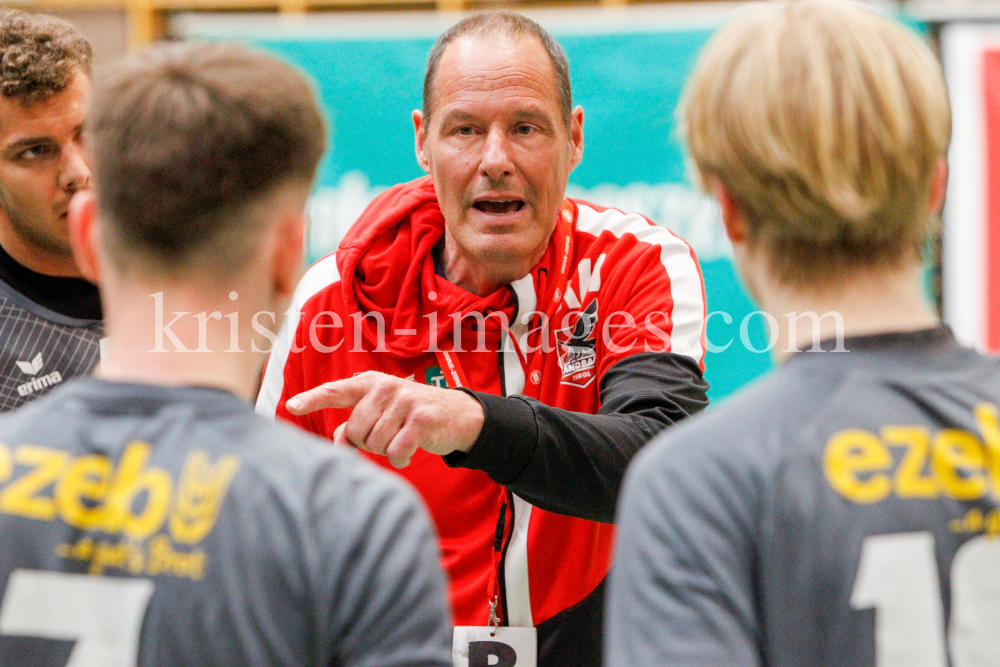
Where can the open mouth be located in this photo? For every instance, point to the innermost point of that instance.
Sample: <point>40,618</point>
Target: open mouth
<point>499,207</point>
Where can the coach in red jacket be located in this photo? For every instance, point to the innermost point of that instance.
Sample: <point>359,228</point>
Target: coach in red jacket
<point>574,333</point>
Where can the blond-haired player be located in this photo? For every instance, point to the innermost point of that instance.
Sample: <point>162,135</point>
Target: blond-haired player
<point>844,511</point>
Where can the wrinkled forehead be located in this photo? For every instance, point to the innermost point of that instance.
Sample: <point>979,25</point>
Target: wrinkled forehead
<point>495,65</point>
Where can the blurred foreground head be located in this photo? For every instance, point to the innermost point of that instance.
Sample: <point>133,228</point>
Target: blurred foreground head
<point>827,125</point>
<point>191,144</point>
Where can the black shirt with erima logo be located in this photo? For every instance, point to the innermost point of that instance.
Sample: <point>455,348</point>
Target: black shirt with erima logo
<point>50,331</point>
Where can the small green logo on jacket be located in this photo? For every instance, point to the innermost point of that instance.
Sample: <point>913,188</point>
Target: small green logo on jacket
<point>435,376</point>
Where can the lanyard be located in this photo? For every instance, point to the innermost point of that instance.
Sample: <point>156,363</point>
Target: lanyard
<point>452,368</point>
<point>456,377</point>
<point>493,586</point>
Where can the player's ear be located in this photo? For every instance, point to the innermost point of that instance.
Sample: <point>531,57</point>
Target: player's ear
<point>83,234</point>
<point>939,186</point>
<point>732,213</point>
<point>288,254</point>
<point>419,134</point>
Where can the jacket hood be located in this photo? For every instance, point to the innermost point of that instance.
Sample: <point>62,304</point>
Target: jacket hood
<point>386,265</point>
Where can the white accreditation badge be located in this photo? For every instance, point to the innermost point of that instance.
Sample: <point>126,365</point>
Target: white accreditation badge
<point>487,646</point>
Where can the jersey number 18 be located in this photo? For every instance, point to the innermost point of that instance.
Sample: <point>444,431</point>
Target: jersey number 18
<point>898,576</point>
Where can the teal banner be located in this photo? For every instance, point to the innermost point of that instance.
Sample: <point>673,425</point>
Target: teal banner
<point>628,70</point>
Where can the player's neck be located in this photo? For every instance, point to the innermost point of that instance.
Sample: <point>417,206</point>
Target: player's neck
<point>144,325</point>
<point>32,257</point>
<point>868,304</point>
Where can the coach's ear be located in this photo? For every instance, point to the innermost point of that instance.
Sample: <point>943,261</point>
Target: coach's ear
<point>732,213</point>
<point>419,134</point>
<point>576,136</point>
<point>83,232</point>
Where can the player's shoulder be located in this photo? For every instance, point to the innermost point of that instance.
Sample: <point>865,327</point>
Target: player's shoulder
<point>955,363</point>
<point>878,378</point>
<point>54,413</point>
<point>337,498</point>
<point>715,467</point>
<point>283,465</point>
<point>738,444</point>
<point>920,375</point>
<point>287,461</point>
<point>732,425</point>
<point>285,450</point>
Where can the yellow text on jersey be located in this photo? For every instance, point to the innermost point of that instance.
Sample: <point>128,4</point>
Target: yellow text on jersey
<point>859,464</point>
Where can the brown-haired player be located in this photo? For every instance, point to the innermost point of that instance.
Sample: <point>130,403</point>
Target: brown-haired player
<point>845,511</point>
<point>148,516</point>
<point>49,315</point>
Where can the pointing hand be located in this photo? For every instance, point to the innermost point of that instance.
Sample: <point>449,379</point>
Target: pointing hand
<point>393,417</point>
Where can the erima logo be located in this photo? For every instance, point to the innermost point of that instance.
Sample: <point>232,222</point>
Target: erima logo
<point>31,367</point>
<point>36,383</point>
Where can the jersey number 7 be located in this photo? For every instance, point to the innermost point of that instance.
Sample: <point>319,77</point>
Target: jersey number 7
<point>102,615</point>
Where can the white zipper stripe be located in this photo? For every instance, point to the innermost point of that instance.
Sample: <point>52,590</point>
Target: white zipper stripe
<point>516,592</point>
<point>513,370</point>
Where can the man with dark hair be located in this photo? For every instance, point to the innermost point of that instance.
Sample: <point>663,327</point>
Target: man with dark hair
<point>50,318</point>
<point>148,516</point>
<point>845,511</point>
<point>573,332</point>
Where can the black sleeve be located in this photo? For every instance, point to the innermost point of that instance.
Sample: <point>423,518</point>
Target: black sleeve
<point>573,463</point>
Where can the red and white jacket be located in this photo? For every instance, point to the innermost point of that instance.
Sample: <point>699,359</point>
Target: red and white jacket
<point>613,287</point>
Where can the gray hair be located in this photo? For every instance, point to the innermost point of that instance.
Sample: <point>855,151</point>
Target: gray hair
<point>503,24</point>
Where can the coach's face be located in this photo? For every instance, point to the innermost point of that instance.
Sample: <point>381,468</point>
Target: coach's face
<point>42,164</point>
<point>498,149</point>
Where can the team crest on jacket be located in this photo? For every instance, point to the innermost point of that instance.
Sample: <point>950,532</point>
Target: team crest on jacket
<point>577,343</point>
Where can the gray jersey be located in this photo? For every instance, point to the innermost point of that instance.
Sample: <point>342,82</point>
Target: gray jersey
<point>843,512</point>
<point>40,349</point>
<point>171,526</point>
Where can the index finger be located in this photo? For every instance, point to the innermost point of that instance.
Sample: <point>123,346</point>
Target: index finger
<point>338,394</point>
